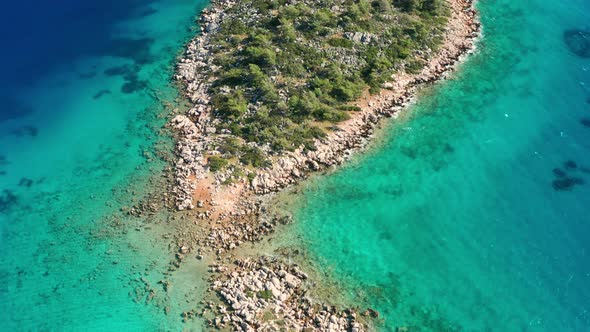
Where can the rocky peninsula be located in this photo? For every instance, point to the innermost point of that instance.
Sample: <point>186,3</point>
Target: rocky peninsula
<point>277,91</point>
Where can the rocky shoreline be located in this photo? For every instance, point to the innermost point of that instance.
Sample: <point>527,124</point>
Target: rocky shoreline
<point>463,29</point>
<point>260,293</point>
<point>266,293</point>
<point>196,132</point>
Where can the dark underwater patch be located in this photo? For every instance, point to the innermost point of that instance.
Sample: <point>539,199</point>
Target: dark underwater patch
<point>25,182</point>
<point>570,164</point>
<point>585,122</point>
<point>137,50</point>
<point>134,85</point>
<point>386,235</point>
<point>409,152</point>
<point>578,41</point>
<point>559,173</point>
<point>7,200</point>
<point>566,183</point>
<point>3,160</point>
<point>87,76</point>
<point>101,93</point>
<point>563,178</point>
<point>11,109</point>
<point>148,12</point>
<point>120,70</point>
<point>131,77</point>
<point>26,131</point>
<point>449,148</point>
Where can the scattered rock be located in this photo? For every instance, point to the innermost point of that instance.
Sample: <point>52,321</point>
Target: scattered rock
<point>267,285</point>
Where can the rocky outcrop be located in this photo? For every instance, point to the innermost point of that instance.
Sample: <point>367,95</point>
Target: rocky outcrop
<point>194,128</point>
<point>267,295</point>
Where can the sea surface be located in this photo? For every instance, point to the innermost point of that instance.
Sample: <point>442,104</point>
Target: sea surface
<point>472,212</point>
<point>83,89</point>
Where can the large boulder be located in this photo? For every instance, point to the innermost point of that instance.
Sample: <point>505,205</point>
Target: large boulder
<point>578,41</point>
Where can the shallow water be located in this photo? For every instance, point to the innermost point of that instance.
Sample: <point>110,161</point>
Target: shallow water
<point>468,216</point>
<point>79,122</point>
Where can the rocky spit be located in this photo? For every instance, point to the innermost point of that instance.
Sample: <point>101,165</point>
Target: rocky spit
<point>267,294</point>
<point>194,129</point>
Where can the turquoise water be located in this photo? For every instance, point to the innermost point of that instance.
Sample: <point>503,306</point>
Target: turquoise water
<point>79,126</point>
<point>454,222</point>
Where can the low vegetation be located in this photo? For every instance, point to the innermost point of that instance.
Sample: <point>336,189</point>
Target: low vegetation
<point>286,69</point>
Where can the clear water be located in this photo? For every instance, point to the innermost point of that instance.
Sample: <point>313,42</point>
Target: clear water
<point>78,130</point>
<point>452,221</point>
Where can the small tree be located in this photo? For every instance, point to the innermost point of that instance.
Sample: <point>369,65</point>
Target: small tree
<point>232,105</point>
<point>216,163</point>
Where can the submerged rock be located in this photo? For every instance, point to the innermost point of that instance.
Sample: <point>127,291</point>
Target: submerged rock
<point>148,12</point>
<point>101,93</point>
<point>566,183</point>
<point>559,173</point>
<point>133,86</point>
<point>570,164</point>
<point>7,200</point>
<point>121,70</point>
<point>25,182</point>
<point>87,76</point>
<point>26,131</point>
<point>137,50</point>
<point>585,122</point>
<point>578,41</point>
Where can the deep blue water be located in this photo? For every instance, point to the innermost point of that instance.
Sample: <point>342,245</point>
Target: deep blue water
<point>79,122</point>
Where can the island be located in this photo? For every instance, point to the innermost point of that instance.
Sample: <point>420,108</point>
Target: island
<point>277,90</point>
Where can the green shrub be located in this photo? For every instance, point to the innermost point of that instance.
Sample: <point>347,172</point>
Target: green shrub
<point>253,156</point>
<point>234,76</point>
<point>345,90</point>
<point>340,42</point>
<point>414,66</point>
<point>251,176</point>
<point>265,294</point>
<point>279,73</point>
<point>230,145</point>
<point>216,163</point>
<point>260,56</point>
<point>330,114</point>
<point>232,105</point>
<point>233,27</point>
<point>352,108</point>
